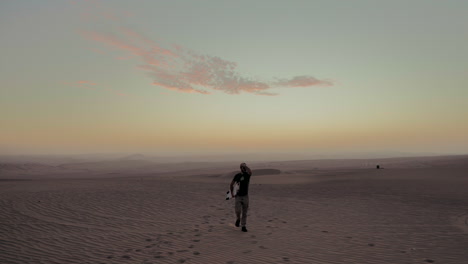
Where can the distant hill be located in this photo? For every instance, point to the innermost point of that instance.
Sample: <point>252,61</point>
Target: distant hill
<point>120,165</point>
<point>24,167</point>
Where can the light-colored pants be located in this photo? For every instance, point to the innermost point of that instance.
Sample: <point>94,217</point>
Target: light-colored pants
<point>242,206</point>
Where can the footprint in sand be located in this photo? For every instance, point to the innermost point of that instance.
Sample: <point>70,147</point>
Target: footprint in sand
<point>196,240</point>
<point>247,251</point>
<point>196,253</point>
<point>324,231</point>
<point>286,259</point>
<point>149,239</point>
<point>158,256</point>
<point>191,246</point>
<point>429,260</point>
<point>371,244</point>
<point>182,250</point>
<point>138,250</point>
<point>181,260</point>
<point>254,242</point>
<point>109,257</point>
<point>126,257</point>
<point>262,247</point>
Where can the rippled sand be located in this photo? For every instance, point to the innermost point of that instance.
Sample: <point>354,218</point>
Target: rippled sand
<point>356,215</point>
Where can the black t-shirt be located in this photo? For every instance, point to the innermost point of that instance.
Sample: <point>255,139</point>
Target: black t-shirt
<point>243,179</point>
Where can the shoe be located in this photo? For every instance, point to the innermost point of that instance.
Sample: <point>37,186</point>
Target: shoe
<point>244,229</point>
<point>237,223</point>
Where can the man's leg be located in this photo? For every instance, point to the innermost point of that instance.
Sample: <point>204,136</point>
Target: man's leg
<point>238,208</point>
<point>245,209</point>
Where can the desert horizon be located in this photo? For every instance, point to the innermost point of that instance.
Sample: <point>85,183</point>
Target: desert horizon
<point>125,163</point>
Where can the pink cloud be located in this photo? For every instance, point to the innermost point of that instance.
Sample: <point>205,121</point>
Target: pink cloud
<point>267,93</point>
<point>180,87</point>
<point>86,82</point>
<point>133,35</point>
<point>121,94</point>
<point>178,69</point>
<point>111,41</point>
<point>303,81</point>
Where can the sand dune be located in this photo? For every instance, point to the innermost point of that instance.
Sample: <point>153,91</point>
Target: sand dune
<point>32,167</point>
<point>406,214</point>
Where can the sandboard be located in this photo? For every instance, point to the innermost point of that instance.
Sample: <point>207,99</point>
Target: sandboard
<point>234,189</point>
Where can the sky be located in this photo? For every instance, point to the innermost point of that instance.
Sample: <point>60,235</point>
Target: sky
<point>213,76</point>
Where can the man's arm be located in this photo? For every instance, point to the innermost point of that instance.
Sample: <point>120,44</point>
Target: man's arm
<point>247,169</point>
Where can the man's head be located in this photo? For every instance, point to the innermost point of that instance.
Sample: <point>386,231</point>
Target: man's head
<point>243,167</point>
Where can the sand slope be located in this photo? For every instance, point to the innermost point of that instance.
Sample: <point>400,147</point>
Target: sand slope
<point>399,215</point>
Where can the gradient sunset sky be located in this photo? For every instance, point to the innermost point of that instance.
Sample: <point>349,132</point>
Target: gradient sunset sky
<point>270,76</point>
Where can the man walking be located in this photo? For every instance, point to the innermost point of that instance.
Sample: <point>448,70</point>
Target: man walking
<point>242,195</point>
